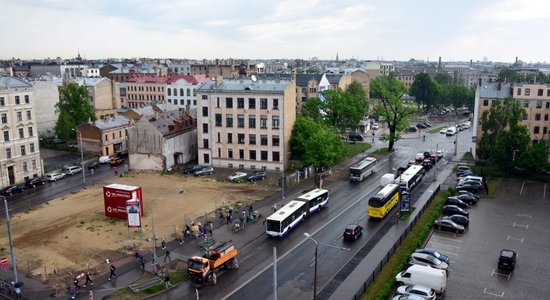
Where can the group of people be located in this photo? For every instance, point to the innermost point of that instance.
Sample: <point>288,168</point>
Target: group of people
<point>76,282</point>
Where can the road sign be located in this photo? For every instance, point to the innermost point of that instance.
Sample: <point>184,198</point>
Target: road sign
<point>3,260</point>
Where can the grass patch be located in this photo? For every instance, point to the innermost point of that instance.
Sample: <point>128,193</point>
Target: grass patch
<point>356,148</point>
<point>176,277</point>
<point>436,130</point>
<point>383,284</point>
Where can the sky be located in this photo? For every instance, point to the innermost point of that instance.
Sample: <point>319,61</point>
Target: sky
<point>499,30</point>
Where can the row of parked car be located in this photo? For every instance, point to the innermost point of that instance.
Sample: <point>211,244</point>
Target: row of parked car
<point>199,170</point>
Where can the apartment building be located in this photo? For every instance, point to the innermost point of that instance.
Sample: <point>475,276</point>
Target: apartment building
<point>104,95</point>
<point>105,137</point>
<point>181,91</point>
<point>144,90</point>
<point>245,123</point>
<point>535,98</point>
<point>19,151</point>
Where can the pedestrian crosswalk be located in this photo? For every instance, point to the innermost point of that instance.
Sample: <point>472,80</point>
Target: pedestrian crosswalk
<point>411,147</point>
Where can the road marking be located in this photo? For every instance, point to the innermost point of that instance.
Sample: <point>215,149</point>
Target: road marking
<point>501,274</point>
<point>544,192</point>
<point>493,294</point>
<point>525,216</point>
<point>454,240</point>
<point>521,191</point>
<point>526,226</point>
<point>511,238</point>
<point>445,244</point>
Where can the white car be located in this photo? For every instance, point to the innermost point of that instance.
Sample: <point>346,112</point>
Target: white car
<point>236,176</point>
<point>439,154</point>
<point>375,126</point>
<point>443,131</point>
<point>55,176</point>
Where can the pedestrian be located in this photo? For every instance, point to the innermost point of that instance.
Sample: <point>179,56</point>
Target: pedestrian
<point>163,244</point>
<point>230,211</point>
<point>112,274</point>
<point>158,268</point>
<point>250,209</point>
<point>167,280</point>
<point>274,207</point>
<point>88,280</point>
<point>243,219</point>
<point>167,256</point>
<point>424,138</point>
<point>18,295</point>
<point>76,283</point>
<point>228,219</point>
<point>115,169</point>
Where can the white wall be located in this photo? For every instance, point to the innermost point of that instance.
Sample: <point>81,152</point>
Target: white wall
<point>46,95</point>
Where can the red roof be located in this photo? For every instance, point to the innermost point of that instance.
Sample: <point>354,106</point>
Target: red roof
<point>148,78</point>
<point>193,79</point>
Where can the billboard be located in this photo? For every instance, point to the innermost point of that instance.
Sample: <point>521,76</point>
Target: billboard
<point>115,197</point>
<point>133,211</point>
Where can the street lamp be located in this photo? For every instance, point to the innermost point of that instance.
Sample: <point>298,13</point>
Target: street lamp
<point>307,235</point>
<point>11,243</point>
<point>154,236</point>
<point>81,156</point>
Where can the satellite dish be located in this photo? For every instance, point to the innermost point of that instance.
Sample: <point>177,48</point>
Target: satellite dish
<point>253,77</point>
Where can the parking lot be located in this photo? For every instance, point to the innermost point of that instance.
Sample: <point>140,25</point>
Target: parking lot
<point>516,219</point>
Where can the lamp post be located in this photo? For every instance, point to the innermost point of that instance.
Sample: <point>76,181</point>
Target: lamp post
<point>307,235</point>
<point>82,157</point>
<point>154,236</point>
<point>11,243</point>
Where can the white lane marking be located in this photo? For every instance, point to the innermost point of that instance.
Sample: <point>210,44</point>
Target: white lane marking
<point>525,216</point>
<point>526,226</point>
<point>454,240</point>
<point>445,244</point>
<point>514,239</point>
<point>493,294</point>
<point>521,191</point>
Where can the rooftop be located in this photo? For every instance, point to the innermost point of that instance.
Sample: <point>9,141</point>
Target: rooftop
<point>116,121</point>
<point>245,84</point>
<point>492,90</point>
<point>13,82</point>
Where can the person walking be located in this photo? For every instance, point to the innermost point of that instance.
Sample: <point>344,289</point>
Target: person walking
<point>243,219</point>
<point>163,244</point>
<point>228,219</point>
<point>112,274</point>
<point>167,256</point>
<point>76,283</point>
<point>158,268</point>
<point>274,207</point>
<point>167,280</point>
<point>424,138</point>
<point>88,280</point>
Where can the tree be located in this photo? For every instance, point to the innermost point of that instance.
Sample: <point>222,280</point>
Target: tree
<point>508,75</point>
<point>443,79</point>
<point>357,90</point>
<point>73,108</point>
<point>388,91</point>
<point>425,90</point>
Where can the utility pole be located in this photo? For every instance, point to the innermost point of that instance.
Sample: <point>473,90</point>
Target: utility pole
<point>10,240</point>
<point>274,273</point>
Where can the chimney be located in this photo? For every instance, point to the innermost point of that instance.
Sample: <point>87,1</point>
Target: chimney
<point>219,80</point>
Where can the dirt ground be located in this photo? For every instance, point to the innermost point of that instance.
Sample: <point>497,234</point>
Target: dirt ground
<point>73,233</point>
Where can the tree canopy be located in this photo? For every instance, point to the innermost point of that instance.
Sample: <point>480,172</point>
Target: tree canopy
<point>425,90</point>
<point>73,108</point>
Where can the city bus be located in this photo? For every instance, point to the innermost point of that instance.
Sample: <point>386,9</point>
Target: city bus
<point>286,218</point>
<point>361,170</point>
<point>316,199</point>
<point>383,202</point>
<point>411,178</point>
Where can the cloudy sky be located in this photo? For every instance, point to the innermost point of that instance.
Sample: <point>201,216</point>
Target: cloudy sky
<point>390,29</point>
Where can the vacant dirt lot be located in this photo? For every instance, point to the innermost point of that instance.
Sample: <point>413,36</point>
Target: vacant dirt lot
<point>73,233</point>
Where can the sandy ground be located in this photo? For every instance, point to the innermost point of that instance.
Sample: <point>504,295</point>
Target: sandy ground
<point>72,233</point>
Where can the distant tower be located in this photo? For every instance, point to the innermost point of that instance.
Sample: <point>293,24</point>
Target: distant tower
<point>78,57</point>
<point>336,56</point>
<point>439,65</point>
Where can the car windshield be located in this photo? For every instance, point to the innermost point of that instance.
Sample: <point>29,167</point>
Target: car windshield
<point>195,264</point>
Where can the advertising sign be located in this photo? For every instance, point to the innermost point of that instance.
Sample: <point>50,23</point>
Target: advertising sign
<point>133,211</point>
<point>115,197</point>
<point>405,202</point>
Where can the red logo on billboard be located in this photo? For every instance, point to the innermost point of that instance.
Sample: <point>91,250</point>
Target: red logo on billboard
<point>115,197</point>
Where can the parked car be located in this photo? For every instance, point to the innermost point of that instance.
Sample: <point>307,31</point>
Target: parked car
<point>466,174</point>
<point>35,181</point>
<point>352,232</point>
<point>256,175</point>
<point>507,259</point>
<point>10,190</point>
<point>115,161</point>
<point>412,129</point>
<point>458,219</point>
<point>418,290</point>
<point>56,141</point>
<point>420,126</point>
<point>423,275</point>
<point>434,159</point>
<point>408,297</point>
<point>236,176</point>
<point>470,200</point>
<point>55,176</point>
<point>73,170</point>
<point>192,169</point>
<point>375,126</point>
<point>206,170</point>
<point>434,253</point>
<point>462,169</point>
<point>468,187</point>
<point>443,131</point>
<point>454,210</point>
<point>457,202</point>
<point>468,194</point>
<point>439,154</point>
<point>448,225</point>
<point>356,138</point>
<point>428,260</point>
<point>94,165</point>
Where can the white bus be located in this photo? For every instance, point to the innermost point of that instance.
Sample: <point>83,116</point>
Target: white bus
<point>411,178</point>
<point>286,218</point>
<point>316,199</point>
<point>361,170</point>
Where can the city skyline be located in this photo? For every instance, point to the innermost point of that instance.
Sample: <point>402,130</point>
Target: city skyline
<point>396,30</point>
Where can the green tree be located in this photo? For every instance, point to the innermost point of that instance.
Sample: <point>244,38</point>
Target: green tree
<point>535,158</point>
<point>357,90</point>
<point>458,95</point>
<point>388,92</point>
<point>73,108</point>
<point>425,90</point>
<point>313,109</point>
<point>509,75</point>
<point>443,79</point>
<point>343,109</point>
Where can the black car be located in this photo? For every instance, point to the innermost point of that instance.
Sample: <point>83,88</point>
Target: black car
<point>468,187</point>
<point>457,202</point>
<point>356,138</point>
<point>421,126</point>
<point>256,175</point>
<point>192,169</point>
<point>507,259</point>
<point>427,164</point>
<point>458,219</point>
<point>448,225</point>
<point>411,129</point>
<point>449,210</point>
<point>352,232</point>
<point>10,190</point>
<point>468,199</point>
<point>35,181</point>
<point>462,169</point>
<point>94,165</point>
<point>468,194</point>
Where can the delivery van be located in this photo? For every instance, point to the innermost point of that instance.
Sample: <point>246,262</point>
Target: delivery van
<point>104,159</point>
<point>388,178</point>
<point>424,275</point>
<point>451,131</point>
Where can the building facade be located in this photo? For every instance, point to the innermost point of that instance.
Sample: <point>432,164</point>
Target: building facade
<point>145,90</point>
<point>181,91</point>
<point>104,96</point>
<point>104,137</point>
<point>19,149</point>
<point>246,123</point>
<point>46,96</point>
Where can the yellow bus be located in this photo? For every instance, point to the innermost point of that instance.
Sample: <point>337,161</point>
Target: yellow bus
<point>383,202</point>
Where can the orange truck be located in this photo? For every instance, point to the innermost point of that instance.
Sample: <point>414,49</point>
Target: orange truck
<point>222,255</point>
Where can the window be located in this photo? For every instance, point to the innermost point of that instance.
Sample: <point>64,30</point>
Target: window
<point>25,167</point>
<point>540,92</point>
<point>19,116</point>
<point>275,121</point>
<point>218,102</point>
<point>181,92</point>
<point>240,102</point>
<point>4,118</point>
<point>548,104</point>
<point>251,121</point>
<point>205,111</point>
<point>275,140</point>
<point>241,153</point>
<point>539,104</point>
<point>545,117</point>
<point>485,102</point>
<point>205,143</point>
<point>545,130</point>
<point>526,103</point>
<point>275,103</point>
<point>252,139</point>
<point>228,102</point>
<point>263,155</point>
<point>169,93</point>
<point>252,154</point>
<point>204,97</point>
<point>218,120</point>
<point>519,91</point>
<point>240,138</point>
<point>27,100</point>
<point>23,150</point>
<point>113,135</point>
<point>252,103</point>
<point>240,121</point>
<point>21,133</point>
<point>263,140</point>
<point>263,103</point>
<point>548,93</point>
<point>188,92</point>
<point>263,122</point>
<point>204,127</point>
<point>219,137</point>
<point>536,130</point>
<point>537,117</point>
<point>275,155</point>
<point>6,136</point>
<point>3,103</point>
<point>8,153</point>
<point>230,138</point>
<point>229,120</point>
<point>527,92</point>
<point>230,153</point>
<point>525,116</point>
<point>34,164</point>
<point>17,101</point>
<point>30,131</point>
<point>106,137</point>
<point>32,147</point>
